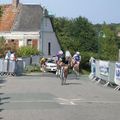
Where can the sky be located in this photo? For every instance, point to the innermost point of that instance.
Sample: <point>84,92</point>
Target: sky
<point>96,11</point>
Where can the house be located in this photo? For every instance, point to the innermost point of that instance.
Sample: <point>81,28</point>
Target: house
<point>24,24</point>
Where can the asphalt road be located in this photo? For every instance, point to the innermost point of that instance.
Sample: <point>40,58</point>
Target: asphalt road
<point>40,96</point>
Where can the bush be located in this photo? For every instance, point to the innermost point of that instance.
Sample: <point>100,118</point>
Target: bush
<point>32,68</point>
<point>27,51</point>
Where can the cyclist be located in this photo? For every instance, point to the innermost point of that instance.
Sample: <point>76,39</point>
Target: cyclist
<point>67,57</point>
<point>77,58</point>
<point>76,62</point>
<point>42,64</point>
<point>60,60</point>
<point>62,63</point>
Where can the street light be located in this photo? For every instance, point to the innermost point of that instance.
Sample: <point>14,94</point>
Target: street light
<point>101,34</point>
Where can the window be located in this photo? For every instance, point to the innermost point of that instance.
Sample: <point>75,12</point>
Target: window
<point>49,48</point>
<point>12,40</point>
<point>29,42</point>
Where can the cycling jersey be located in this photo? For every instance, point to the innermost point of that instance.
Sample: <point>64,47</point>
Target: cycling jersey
<point>42,61</point>
<point>62,58</point>
<point>77,58</point>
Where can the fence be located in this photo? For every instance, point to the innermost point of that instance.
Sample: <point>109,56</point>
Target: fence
<point>9,67</point>
<point>106,71</point>
<point>31,60</point>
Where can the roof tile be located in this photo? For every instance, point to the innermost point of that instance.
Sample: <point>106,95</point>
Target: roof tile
<point>7,18</point>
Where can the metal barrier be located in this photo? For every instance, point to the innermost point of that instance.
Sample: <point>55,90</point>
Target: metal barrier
<point>19,69</point>
<point>1,65</point>
<point>9,67</point>
<point>31,60</point>
<point>106,71</point>
<point>26,61</point>
<point>111,72</point>
<point>36,59</point>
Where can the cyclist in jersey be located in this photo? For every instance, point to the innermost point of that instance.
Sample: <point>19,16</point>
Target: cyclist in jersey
<point>76,63</point>
<point>60,57</point>
<point>42,64</point>
<point>67,57</point>
<point>62,63</point>
<point>77,58</point>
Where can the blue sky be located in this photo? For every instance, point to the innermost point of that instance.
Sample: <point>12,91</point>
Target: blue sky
<point>96,11</point>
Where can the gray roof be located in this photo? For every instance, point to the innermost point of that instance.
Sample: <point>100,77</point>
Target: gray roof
<point>29,18</point>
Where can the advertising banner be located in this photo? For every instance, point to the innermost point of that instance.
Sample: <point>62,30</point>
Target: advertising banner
<point>104,67</point>
<point>117,73</point>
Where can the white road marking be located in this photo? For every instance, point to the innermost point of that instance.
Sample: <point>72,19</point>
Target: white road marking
<point>31,101</point>
<point>64,101</point>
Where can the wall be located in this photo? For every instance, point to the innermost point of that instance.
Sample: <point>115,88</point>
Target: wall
<point>22,37</point>
<point>48,36</point>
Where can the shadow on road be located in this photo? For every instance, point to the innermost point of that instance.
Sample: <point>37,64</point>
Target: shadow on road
<point>71,83</point>
<point>2,81</point>
<point>1,118</point>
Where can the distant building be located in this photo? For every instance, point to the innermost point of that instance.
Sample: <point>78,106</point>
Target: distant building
<point>24,25</point>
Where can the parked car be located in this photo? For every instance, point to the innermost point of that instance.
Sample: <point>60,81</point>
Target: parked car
<point>50,65</point>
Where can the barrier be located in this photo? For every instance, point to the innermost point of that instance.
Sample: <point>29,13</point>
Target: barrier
<point>111,72</point>
<point>31,60</point>
<point>1,65</point>
<point>36,59</point>
<point>26,61</point>
<point>107,71</point>
<point>19,69</point>
<point>8,67</point>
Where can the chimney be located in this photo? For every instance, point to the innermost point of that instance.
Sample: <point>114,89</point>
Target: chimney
<point>15,4</point>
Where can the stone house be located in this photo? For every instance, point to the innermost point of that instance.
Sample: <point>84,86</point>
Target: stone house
<point>26,24</point>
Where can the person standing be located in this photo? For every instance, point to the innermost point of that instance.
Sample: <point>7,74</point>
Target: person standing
<point>12,56</point>
<point>7,61</point>
<point>12,63</point>
<point>7,55</point>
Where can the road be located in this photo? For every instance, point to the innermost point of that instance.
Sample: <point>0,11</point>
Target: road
<point>40,96</point>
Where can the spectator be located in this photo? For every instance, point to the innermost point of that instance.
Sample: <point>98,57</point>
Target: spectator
<point>13,56</point>
<point>7,55</point>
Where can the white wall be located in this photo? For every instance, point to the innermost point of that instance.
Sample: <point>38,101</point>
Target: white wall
<point>21,36</point>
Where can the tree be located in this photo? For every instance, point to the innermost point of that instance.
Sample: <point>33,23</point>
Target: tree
<point>76,34</point>
<point>1,11</point>
<point>85,34</point>
<point>2,46</point>
<point>108,47</point>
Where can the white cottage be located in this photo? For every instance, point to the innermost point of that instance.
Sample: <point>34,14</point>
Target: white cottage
<point>24,24</point>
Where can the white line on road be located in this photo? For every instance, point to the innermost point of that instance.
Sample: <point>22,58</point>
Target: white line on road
<point>64,101</point>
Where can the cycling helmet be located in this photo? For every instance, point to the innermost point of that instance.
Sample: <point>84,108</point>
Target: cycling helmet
<point>60,52</point>
<point>77,53</point>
